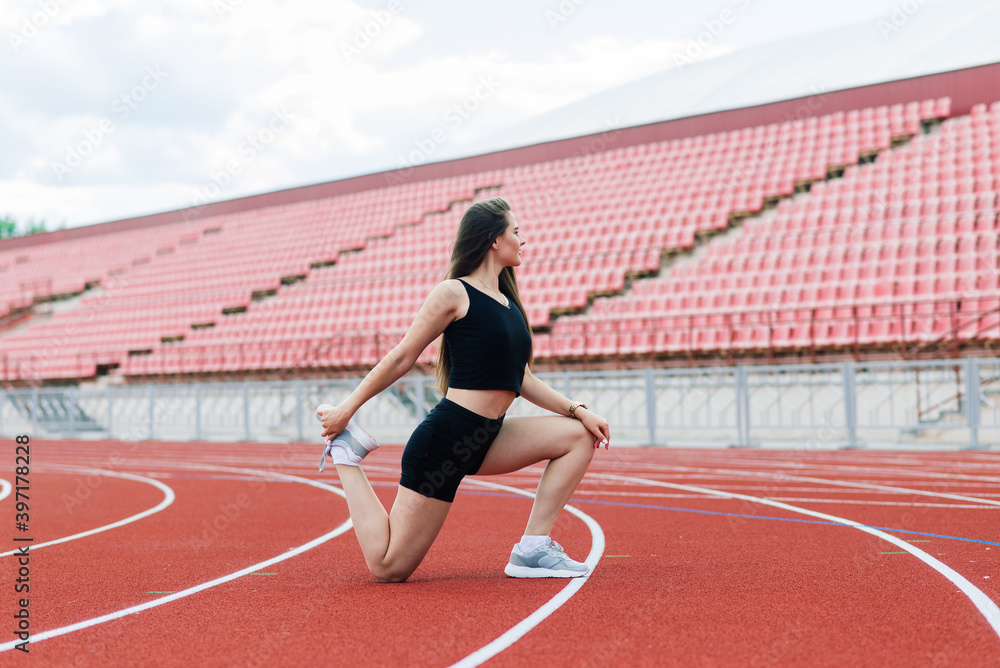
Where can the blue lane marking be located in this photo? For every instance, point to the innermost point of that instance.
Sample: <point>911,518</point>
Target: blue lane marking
<point>751,517</point>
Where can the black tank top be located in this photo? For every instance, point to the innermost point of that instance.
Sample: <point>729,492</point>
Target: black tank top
<point>488,347</point>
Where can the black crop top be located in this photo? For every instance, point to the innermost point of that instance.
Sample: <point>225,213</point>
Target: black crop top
<point>488,347</point>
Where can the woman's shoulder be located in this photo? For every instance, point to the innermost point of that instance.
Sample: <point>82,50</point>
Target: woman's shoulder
<point>450,292</point>
<point>451,286</point>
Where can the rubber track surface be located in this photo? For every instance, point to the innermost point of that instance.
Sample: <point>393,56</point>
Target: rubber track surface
<point>687,579</point>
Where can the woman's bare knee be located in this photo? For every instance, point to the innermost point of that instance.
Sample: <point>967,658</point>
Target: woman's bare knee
<point>392,578</point>
<point>573,434</point>
<point>390,572</point>
<point>583,440</point>
<point>578,446</point>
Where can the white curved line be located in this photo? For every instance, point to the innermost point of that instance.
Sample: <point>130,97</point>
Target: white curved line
<point>45,635</point>
<point>774,463</point>
<point>5,489</point>
<point>168,498</point>
<point>781,476</point>
<point>517,631</point>
<point>982,602</point>
<point>894,504</point>
<point>893,488</point>
<point>791,499</point>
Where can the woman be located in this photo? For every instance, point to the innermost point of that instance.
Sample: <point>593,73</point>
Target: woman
<point>483,366</point>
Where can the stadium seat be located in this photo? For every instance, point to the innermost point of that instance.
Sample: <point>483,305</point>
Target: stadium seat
<point>844,264</point>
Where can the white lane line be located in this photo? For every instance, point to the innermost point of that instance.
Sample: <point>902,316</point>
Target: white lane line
<point>760,486</point>
<point>982,602</point>
<point>834,500</point>
<point>894,504</point>
<point>822,468</point>
<point>782,477</point>
<point>5,489</point>
<point>45,635</point>
<point>168,498</point>
<point>516,632</point>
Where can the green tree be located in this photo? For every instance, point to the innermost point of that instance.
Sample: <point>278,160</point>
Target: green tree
<point>8,228</point>
<point>36,227</point>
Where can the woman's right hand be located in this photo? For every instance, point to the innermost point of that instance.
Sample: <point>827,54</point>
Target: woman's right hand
<point>439,309</point>
<point>333,418</point>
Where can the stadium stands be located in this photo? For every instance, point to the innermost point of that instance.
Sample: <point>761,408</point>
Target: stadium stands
<point>174,282</point>
<point>900,250</point>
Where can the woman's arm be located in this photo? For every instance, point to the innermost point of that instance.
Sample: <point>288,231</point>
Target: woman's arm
<point>539,393</point>
<point>439,309</point>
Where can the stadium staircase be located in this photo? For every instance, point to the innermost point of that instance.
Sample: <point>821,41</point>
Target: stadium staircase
<point>55,410</point>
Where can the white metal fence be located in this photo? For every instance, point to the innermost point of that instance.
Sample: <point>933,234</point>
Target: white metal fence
<point>816,405</point>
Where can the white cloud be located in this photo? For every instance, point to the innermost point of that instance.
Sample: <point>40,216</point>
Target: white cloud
<point>26,199</point>
<point>362,87</point>
<point>253,60</point>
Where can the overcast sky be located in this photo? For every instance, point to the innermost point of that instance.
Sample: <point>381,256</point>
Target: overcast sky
<point>117,108</point>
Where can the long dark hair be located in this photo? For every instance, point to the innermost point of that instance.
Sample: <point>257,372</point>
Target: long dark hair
<point>478,229</point>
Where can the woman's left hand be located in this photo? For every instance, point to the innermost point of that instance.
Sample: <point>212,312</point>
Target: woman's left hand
<point>596,425</point>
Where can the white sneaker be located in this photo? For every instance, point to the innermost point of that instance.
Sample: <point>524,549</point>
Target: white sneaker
<point>548,561</point>
<point>354,443</point>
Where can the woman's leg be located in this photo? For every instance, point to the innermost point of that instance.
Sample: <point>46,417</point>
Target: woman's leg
<point>524,441</point>
<point>393,543</point>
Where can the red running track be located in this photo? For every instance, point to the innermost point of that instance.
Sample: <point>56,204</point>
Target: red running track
<point>697,570</point>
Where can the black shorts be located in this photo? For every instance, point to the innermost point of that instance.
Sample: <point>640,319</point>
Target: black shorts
<point>448,445</point>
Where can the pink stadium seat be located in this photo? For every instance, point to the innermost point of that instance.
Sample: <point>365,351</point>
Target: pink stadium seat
<point>918,218</point>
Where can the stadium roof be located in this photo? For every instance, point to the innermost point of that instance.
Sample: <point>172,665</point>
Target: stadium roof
<point>916,39</point>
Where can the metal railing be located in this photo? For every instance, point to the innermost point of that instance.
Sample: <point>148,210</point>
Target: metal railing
<point>845,404</point>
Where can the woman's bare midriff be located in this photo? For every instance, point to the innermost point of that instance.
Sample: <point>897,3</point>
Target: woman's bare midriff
<point>488,403</point>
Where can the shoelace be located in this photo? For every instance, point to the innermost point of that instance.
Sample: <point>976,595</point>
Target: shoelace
<point>322,459</point>
<point>555,549</point>
<point>326,447</point>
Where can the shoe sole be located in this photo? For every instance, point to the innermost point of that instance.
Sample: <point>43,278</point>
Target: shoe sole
<point>527,572</point>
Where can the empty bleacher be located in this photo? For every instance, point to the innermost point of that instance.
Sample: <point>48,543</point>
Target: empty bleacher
<point>900,251</point>
<point>163,286</point>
